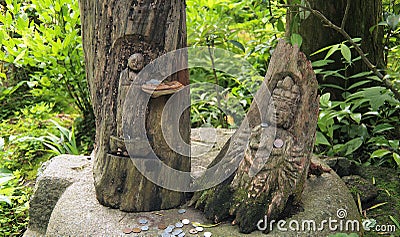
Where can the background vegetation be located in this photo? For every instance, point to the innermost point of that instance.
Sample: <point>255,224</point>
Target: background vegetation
<point>45,106</point>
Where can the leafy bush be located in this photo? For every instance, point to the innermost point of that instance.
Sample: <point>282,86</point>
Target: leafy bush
<point>363,125</point>
<point>14,197</point>
<point>21,154</point>
<point>42,60</point>
<point>247,28</point>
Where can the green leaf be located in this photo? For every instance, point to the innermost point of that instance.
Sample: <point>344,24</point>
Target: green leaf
<point>356,117</point>
<point>393,21</point>
<point>322,63</point>
<point>352,145</point>
<point>333,86</point>
<point>1,143</point>
<point>20,56</point>
<point>332,50</point>
<point>396,158</point>
<point>361,74</point>
<point>376,97</point>
<point>296,39</point>
<point>346,53</point>
<point>238,45</point>
<point>321,139</point>
<point>357,84</point>
<point>325,99</point>
<point>396,222</point>
<point>383,127</point>
<point>280,25</point>
<point>321,50</point>
<point>380,153</point>
<point>394,144</point>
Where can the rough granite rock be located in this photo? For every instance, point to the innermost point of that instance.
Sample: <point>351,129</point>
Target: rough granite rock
<point>53,178</point>
<point>77,212</point>
<point>358,185</point>
<point>341,165</point>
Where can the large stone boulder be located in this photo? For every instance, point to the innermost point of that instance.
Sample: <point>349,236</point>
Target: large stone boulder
<point>64,203</point>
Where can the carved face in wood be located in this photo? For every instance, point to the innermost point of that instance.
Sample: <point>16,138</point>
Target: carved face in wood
<point>136,62</point>
<point>285,97</point>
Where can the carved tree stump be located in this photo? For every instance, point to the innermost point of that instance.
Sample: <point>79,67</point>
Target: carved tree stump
<point>120,37</point>
<point>283,134</point>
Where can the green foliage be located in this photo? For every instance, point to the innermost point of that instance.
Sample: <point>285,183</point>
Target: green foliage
<point>396,222</point>
<point>41,63</point>
<point>231,100</point>
<point>42,57</point>
<point>247,28</point>
<point>363,125</point>
<point>21,154</point>
<point>14,197</point>
<point>64,143</point>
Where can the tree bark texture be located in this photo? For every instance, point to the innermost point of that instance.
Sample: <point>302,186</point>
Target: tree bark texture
<point>282,127</point>
<point>362,15</point>
<point>116,32</point>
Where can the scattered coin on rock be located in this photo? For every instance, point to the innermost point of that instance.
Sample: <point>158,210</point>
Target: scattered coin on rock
<point>264,125</point>
<point>207,234</point>
<point>136,230</point>
<point>179,225</point>
<point>145,228</point>
<point>169,229</point>
<point>193,231</point>
<point>185,221</point>
<point>161,227</point>
<point>143,221</point>
<point>199,228</point>
<point>177,231</point>
<point>278,143</point>
<point>165,235</point>
<point>181,234</point>
<point>181,211</point>
<point>127,230</point>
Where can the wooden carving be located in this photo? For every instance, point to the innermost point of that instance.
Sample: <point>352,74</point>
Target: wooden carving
<point>274,167</point>
<point>120,38</point>
<point>127,79</point>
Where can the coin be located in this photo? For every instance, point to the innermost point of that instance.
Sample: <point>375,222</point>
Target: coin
<point>179,225</point>
<point>169,229</point>
<point>199,228</point>
<point>143,221</point>
<point>145,228</point>
<point>264,125</point>
<point>136,230</point>
<point>185,221</point>
<point>278,143</point>
<point>161,227</point>
<point>177,231</point>
<point>127,230</point>
<point>181,211</point>
<point>207,234</point>
<point>193,231</point>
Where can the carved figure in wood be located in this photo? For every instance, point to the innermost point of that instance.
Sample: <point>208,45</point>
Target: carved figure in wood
<point>270,178</point>
<point>127,78</point>
<point>280,172</point>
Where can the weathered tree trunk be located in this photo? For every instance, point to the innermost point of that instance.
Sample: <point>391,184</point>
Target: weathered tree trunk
<point>281,132</point>
<point>138,31</point>
<point>362,15</point>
